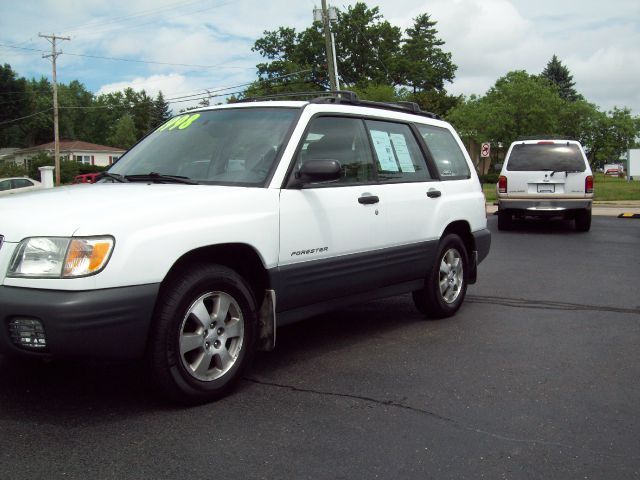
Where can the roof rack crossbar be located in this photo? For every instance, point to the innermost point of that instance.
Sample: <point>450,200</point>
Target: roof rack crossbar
<point>313,95</point>
<point>346,97</point>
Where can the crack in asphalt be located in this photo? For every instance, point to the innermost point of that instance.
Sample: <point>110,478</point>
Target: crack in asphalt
<point>452,421</point>
<point>547,305</point>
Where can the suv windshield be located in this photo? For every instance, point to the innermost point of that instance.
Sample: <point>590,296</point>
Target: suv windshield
<point>546,156</point>
<point>221,147</point>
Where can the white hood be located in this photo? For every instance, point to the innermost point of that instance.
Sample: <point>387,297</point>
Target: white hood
<point>106,209</point>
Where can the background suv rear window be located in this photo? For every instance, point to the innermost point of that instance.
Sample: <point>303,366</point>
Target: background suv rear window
<point>546,156</point>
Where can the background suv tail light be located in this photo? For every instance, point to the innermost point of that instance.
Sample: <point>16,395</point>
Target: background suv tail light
<point>588,184</point>
<point>502,184</point>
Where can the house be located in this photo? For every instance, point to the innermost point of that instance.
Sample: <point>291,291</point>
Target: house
<point>75,150</point>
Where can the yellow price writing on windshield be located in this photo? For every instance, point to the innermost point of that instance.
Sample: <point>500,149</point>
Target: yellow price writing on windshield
<point>182,122</point>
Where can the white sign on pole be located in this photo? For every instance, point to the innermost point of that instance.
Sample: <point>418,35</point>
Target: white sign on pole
<point>485,150</point>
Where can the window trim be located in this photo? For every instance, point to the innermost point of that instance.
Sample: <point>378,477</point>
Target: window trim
<point>435,164</point>
<point>289,180</point>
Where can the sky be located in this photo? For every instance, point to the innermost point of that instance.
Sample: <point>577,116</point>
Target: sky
<point>200,45</point>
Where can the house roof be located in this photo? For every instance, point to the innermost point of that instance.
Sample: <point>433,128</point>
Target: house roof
<point>73,146</point>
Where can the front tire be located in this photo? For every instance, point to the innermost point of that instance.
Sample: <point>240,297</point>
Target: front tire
<point>203,335</point>
<point>446,285</point>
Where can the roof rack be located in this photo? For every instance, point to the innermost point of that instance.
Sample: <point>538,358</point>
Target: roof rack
<point>350,98</point>
<point>314,95</point>
<point>346,97</point>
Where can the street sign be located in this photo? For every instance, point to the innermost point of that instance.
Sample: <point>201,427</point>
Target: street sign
<point>485,150</point>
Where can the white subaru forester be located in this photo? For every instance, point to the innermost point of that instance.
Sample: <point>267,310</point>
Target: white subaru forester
<point>226,222</point>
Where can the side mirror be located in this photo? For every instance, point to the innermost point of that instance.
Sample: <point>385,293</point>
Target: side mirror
<point>318,171</point>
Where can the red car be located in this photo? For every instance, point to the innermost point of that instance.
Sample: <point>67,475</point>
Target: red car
<point>86,178</point>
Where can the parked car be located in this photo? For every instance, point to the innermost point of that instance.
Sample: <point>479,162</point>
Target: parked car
<point>230,221</point>
<point>543,178</point>
<point>86,178</point>
<point>9,186</point>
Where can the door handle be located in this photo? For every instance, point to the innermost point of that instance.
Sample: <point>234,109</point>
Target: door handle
<point>433,193</point>
<point>367,199</point>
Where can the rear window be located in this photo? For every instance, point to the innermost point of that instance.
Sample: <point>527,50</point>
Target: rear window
<point>546,156</point>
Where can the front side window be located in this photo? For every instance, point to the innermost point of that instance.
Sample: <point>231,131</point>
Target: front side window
<point>341,139</point>
<point>546,156</point>
<point>446,152</point>
<point>235,146</point>
<point>398,156</point>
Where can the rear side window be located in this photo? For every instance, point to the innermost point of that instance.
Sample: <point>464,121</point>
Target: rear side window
<point>398,156</point>
<point>527,157</point>
<point>446,153</point>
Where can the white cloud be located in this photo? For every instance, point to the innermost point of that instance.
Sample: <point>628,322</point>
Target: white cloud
<point>487,38</point>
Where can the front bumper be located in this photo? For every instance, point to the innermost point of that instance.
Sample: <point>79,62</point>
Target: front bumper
<point>109,324</point>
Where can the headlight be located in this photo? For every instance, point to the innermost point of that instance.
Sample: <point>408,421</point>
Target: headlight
<point>56,257</point>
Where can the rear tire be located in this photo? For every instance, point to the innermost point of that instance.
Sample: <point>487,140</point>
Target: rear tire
<point>203,334</point>
<point>583,221</point>
<point>505,220</point>
<point>446,284</point>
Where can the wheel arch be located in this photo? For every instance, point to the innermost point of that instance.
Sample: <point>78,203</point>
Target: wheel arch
<point>463,230</point>
<point>241,257</point>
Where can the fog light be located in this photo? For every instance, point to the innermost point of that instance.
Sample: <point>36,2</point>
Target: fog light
<point>28,333</point>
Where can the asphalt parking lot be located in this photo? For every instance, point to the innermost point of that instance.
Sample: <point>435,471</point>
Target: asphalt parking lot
<point>537,377</point>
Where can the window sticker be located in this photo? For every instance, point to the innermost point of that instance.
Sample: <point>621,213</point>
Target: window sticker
<point>382,145</point>
<point>181,123</point>
<point>402,152</point>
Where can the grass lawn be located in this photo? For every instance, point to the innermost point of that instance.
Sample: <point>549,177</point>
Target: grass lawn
<point>606,189</point>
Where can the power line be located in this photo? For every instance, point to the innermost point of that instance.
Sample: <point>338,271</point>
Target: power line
<point>128,59</point>
<point>220,89</point>
<point>28,116</point>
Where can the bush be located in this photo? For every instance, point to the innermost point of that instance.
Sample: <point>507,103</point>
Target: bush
<point>68,169</point>
<point>10,169</point>
<point>489,178</point>
<point>86,168</point>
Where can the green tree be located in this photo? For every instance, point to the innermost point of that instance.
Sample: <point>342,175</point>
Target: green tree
<point>518,104</point>
<point>75,117</point>
<point>124,133</point>
<point>367,47</point>
<point>558,74</point>
<point>614,133</point>
<point>161,110</point>
<point>423,65</point>
<point>15,102</point>
<point>370,53</point>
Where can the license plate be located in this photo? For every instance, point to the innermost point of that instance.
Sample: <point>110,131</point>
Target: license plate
<point>546,188</point>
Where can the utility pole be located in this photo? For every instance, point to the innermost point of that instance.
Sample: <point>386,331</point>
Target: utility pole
<point>329,47</point>
<point>56,136</point>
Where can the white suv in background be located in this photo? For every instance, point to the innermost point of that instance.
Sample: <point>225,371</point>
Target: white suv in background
<point>543,178</point>
<point>230,221</point>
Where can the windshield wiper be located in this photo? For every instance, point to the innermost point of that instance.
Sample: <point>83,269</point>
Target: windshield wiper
<point>114,176</point>
<point>566,172</point>
<point>159,178</point>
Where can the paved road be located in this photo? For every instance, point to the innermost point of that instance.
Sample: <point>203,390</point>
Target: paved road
<point>535,378</point>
